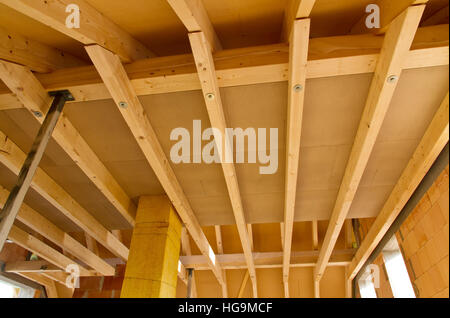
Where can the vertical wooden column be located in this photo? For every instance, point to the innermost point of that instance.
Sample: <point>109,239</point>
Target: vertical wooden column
<point>152,265</point>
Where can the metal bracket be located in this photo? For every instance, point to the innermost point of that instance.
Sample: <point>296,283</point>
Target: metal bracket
<point>66,94</point>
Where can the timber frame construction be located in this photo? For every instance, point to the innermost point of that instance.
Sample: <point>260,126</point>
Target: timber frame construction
<point>362,115</point>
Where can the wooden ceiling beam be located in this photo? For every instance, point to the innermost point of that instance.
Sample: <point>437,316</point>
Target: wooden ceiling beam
<point>29,91</point>
<point>49,284</point>
<point>298,60</point>
<point>328,57</point>
<point>30,267</point>
<point>12,157</point>
<point>208,79</point>
<point>29,242</point>
<point>218,231</point>
<point>296,9</point>
<point>269,259</point>
<point>195,18</point>
<point>41,225</point>
<point>116,80</point>
<point>434,140</point>
<point>95,28</point>
<point>396,46</point>
<point>37,56</point>
<point>389,11</point>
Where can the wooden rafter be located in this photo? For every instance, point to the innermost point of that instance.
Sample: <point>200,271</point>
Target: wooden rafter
<point>296,9</point>
<point>389,67</point>
<point>264,64</point>
<point>95,28</point>
<point>298,59</point>
<point>41,225</point>
<point>195,18</point>
<point>37,56</point>
<point>12,158</point>
<point>268,260</point>
<point>29,242</point>
<point>116,80</point>
<point>30,267</point>
<point>389,10</point>
<point>48,283</point>
<point>208,79</point>
<point>438,17</point>
<point>434,140</point>
<point>32,95</point>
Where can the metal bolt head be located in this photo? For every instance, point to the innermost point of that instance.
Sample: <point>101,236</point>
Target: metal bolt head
<point>123,104</point>
<point>210,96</point>
<point>298,88</point>
<point>392,79</point>
<point>37,113</point>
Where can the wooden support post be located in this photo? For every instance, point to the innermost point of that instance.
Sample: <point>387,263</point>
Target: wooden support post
<point>17,195</point>
<point>315,234</point>
<point>152,266</point>
<point>348,284</point>
<point>243,284</point>
<point>316,288</point>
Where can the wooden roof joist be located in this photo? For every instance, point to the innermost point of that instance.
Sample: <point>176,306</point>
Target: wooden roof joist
<point>37,56</point>
<point>33,97</point>
<point>116,80</point>
<point>206,72</point>
<point>95,28</point>
<point>342,55</point>
<point>268,260</point>
<point>13,157</point>
<point>41,225</point>
<point>435,139</point>
<point>396,46</point>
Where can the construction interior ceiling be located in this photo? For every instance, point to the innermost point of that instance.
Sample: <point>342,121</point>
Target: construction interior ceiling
<point>358,113</point>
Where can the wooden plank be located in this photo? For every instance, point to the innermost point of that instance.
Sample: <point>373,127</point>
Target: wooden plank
<point>268,260</point>
<point>32,95</point>
<point>152,267</point>
<point>30,267</point>
<point>41,225</point>
<point>91,244</point>
<point>48,283</point>
<point>37,56</point>
<point>95,28</point>
<point>12,158</point>
<point>42,250</point>
<point>208,79</point>
<point>59,277</point>
<point>195,18</point>
<point>389,11</point>
<point>298,57</point>
<point>315,234</point>
<point>432,143</point>
<point>397,44</point>
<point>243,284</point>
<point>115,78</point>
<point>296,9</point>
<point>265,64</point>
<point>16,196</point>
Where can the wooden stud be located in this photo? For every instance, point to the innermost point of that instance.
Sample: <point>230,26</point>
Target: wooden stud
<point>91,244</point>
<point>218,232</point>
<point>33,97</point>
<point>152,267</point>
<point>432,143</point>
<point>396,46</point>
<point>315,234</point>
<point>208,79</point>
<point>243,284</point>
<point>115,78</point>
<point>316,289</point>
<point>298,58</point>
<point>95,28</point>
<point>186,249</point>
<point>195,18</point>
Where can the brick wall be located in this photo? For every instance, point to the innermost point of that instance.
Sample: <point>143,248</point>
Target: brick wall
<point>424,238</point>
